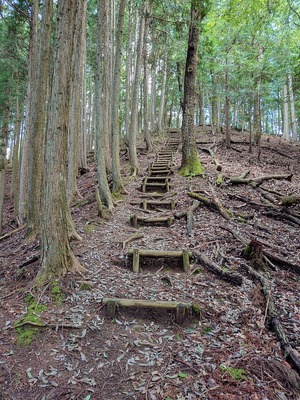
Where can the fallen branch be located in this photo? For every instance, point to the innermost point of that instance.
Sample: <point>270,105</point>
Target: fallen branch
<point>281,215</point>
<point>12,232</point>
<point>217,270</point>
<point>223,211</point>
<point>290,354</point>
<point>258,180</point>
<point>46,325</point>
<point>131,238</point>
<point>214,203</point>
<point>213,156</point>
<point>269,254</point>
<point>189,215</point>
<point>289,200</point>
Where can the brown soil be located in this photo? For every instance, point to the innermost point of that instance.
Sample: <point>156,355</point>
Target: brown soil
<point>228,351</point>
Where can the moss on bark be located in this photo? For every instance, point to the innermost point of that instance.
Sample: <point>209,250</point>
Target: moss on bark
<point>192,167</point>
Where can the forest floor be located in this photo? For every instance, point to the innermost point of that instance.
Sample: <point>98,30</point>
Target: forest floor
<point>224,349</point>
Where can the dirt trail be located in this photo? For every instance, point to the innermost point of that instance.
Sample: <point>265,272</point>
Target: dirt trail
<point>226,351</point>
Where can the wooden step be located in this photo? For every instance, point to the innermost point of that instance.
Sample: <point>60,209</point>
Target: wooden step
<point>156,186</point>
<point>159,172</point>
<point>138,220</point>
<point>160,164</point>
<point>112,303</point>
<point>137,253</point>
<point>158,204</point>
<point>150,179</point>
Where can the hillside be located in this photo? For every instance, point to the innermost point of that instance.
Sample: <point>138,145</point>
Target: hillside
<point>226,347</point>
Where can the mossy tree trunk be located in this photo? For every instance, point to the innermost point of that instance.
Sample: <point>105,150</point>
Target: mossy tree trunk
<point>57,257</point>
<point>190,164</point>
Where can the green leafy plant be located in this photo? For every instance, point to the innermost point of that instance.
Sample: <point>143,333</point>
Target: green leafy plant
<point>182,375</point>
<point>238,374</point>
<point>206,330</point>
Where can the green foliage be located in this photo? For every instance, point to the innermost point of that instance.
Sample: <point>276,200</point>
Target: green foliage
<point>238,374</point>
<point>219,179</point>
<point>26,333</point>
<point>196,309</point>
<point>182,375</point>
<point>206,330</point>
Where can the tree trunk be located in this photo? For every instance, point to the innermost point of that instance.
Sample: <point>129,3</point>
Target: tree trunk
<point>76,106</point>
<point>116,168</point>
<point>37,126</point>
<point>162,98</point>
<point>285,112</point>
<point>104,190</point>
<point>190,164</point>
<point>153,97</point>
<point>31,91</point>
<point>145,90</point>
<point>57,257</point>
<point>3,145</point>
<point>107,84</point>
<point>128,74</point>
<point>133,160</point>
<point>16,157</point>
<point>257,116</point>
<point>227,107</point>
<point>292,105</point>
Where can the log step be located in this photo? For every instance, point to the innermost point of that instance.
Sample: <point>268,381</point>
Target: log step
<point>158,204</point>
<point>161,164</point>
<point>136,220</point>
<point>159,172</point>
<point>112,303</point>
<point>156,186</point>
<point>150,179</point>
<point>138,253</point>
<point>165,152</point>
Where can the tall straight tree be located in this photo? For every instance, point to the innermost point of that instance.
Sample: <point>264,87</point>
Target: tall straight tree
<point>37,126</point>
<point>116,169</point>
<point>190,163</point>
<point>104,190</point>
<point>77,106</point>
<point>57,257</point>
<point>133,160</point>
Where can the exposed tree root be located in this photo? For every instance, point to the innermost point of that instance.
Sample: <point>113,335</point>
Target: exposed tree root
<point>217,270</point>
<point>291,354</point>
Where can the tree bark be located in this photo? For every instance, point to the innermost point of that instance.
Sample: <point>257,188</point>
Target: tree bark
<point>292,106</point>
<point>37,126</point>
<point>116,168</point>
<point>285,112</point>
<point>57,257</point>
<point>3,145</point>
<point>190,164</point>
<point>31,90</point>
<point>104,190</point>
<point>77,107</point>
<point>133,160</point>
